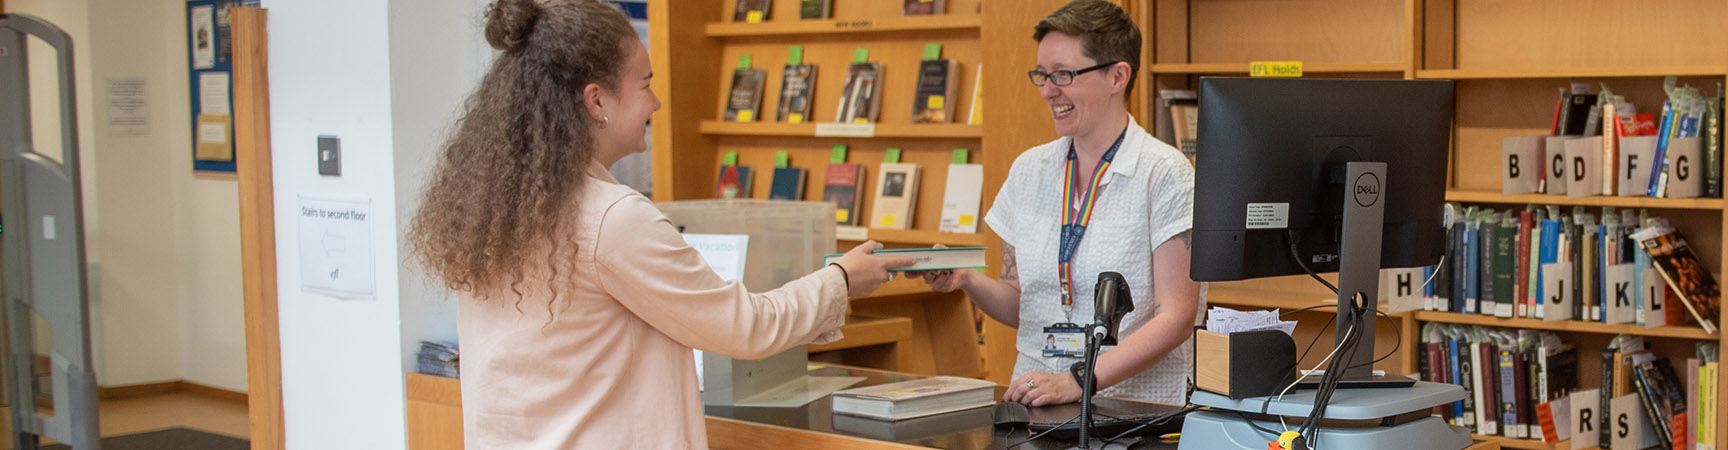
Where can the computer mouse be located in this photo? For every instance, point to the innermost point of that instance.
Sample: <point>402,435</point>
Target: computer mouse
<point>1011,414</point>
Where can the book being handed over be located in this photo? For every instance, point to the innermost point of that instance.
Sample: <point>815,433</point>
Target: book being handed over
<point>929,258</point>
<point>915,398</point>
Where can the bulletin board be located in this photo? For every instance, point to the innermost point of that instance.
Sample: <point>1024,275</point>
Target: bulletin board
<point>210,60</point>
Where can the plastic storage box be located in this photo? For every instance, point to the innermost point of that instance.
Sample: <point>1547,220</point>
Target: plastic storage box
<point>787,238</point>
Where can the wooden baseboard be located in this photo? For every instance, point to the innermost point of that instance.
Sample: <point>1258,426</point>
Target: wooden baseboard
<point>213,392</point>
<point>137,390</point>
<point>148,389</point>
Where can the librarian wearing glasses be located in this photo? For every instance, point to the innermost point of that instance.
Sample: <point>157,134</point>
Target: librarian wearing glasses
<point>1105,197</point>
<point>579,301</point>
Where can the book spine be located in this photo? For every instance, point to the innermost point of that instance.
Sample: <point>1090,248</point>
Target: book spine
<point>1603,397</point>
<point>1508,392</point>
<point>1487,390</point>
<point>1521,387</point>
<point>1505,268</point>
<point>1652,412</point>
<point>1713,147</point>
<point>1465,409</point>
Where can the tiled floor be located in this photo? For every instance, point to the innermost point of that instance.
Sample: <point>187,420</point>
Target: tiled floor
<point>161,411</point>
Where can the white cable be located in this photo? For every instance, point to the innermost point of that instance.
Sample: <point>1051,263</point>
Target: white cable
<point>1347,333</point>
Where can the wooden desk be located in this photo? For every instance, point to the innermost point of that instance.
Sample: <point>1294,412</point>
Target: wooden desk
<point>435,423</point>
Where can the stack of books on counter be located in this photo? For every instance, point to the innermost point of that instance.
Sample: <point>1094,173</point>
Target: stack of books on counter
<point>915,398</point>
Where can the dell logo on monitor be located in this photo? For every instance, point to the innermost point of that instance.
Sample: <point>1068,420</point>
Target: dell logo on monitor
<point>1367,190</point>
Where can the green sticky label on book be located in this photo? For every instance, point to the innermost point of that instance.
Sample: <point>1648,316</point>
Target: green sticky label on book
<point>780,158</point>
<point>744,61</point>
<point>932,51</point>
<point>959,156</point>
<point>893,155</point>
<point>795,55</point>
<point>838,155</point>
<point>731,158</point>
<point>860,55</point>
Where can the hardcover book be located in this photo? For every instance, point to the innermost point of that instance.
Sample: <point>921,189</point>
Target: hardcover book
<point>934,100</point>
<point>915,398</point>
<point>1693,283</point>
<point>896,196</point>
<point>862,95</point>
<point>734,182</point>
<point>745,99</point>
<point>746,7</point>
<point>797,86</point>
<point>929,258</point>
<point>925,7</point>
<point>976,116</point>
<point>788,184</point>
<point>840,187</point>
<point>960,198</point>
<point>813,9</point>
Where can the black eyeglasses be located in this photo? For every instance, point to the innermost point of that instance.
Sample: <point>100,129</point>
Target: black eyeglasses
<point>1062,77</point>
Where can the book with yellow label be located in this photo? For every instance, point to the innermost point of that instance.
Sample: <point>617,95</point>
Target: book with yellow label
<point>960,198</point>
<point>896,196</point>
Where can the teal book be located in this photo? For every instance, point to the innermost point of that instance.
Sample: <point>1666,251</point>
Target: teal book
<point>788,184</point>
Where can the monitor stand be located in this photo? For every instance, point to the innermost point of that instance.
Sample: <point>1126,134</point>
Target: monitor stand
<point>1374,418</point>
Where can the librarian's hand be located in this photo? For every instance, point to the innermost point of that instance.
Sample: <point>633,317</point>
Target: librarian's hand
<point>866,272</point>
<point>1042,388</point>
<point>946,280</point>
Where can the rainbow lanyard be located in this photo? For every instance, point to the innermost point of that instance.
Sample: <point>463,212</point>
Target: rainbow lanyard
<point>1075,220</point>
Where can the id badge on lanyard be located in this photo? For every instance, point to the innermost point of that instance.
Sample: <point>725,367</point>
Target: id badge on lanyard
<point>1077,209</point>
<point>1067,339</point>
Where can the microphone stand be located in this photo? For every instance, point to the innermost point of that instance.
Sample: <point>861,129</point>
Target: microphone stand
<point>1113,300</point>
<point>1089,383</point>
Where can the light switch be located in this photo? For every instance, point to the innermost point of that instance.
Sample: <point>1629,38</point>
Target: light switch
<point>329,155</point>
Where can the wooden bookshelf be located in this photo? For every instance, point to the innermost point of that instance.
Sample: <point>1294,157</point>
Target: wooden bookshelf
<point>845,27</point>
<point>694,51</point>
<point>1506,442</point>
<point>1508,62</point>
<point>1579,326</point>
<point>1495,197</point>
<point>1241,69</point>
<point>881,130</point>
<point>1572,72</point>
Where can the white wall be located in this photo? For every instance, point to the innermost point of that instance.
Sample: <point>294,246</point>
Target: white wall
<point>437,56</point>
<point>341,359</point>
<point>163,244</point>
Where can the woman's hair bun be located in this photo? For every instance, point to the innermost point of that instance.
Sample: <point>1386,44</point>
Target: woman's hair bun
<point>509,22</point>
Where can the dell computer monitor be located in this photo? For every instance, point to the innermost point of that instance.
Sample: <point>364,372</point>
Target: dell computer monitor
<point>1270,172</point>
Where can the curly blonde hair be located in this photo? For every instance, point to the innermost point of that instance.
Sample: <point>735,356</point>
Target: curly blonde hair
<point>505,180</point>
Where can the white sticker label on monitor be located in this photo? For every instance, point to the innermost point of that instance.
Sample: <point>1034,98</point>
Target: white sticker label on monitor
<point>1262,216</point>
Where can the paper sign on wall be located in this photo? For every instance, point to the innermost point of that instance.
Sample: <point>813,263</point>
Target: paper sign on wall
<point>336,245</point>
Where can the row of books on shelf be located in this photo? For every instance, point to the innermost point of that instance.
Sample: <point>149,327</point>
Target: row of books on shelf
<point>1541,263</point>
<point>1179,119</point>
<point>843,185</point>
<point>1525,384</point>
<point>1599,144</point>
<point>754,11</point>
<point>861,97</point>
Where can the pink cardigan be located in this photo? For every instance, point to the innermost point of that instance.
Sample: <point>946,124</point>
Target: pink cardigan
<point>606,363</point>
